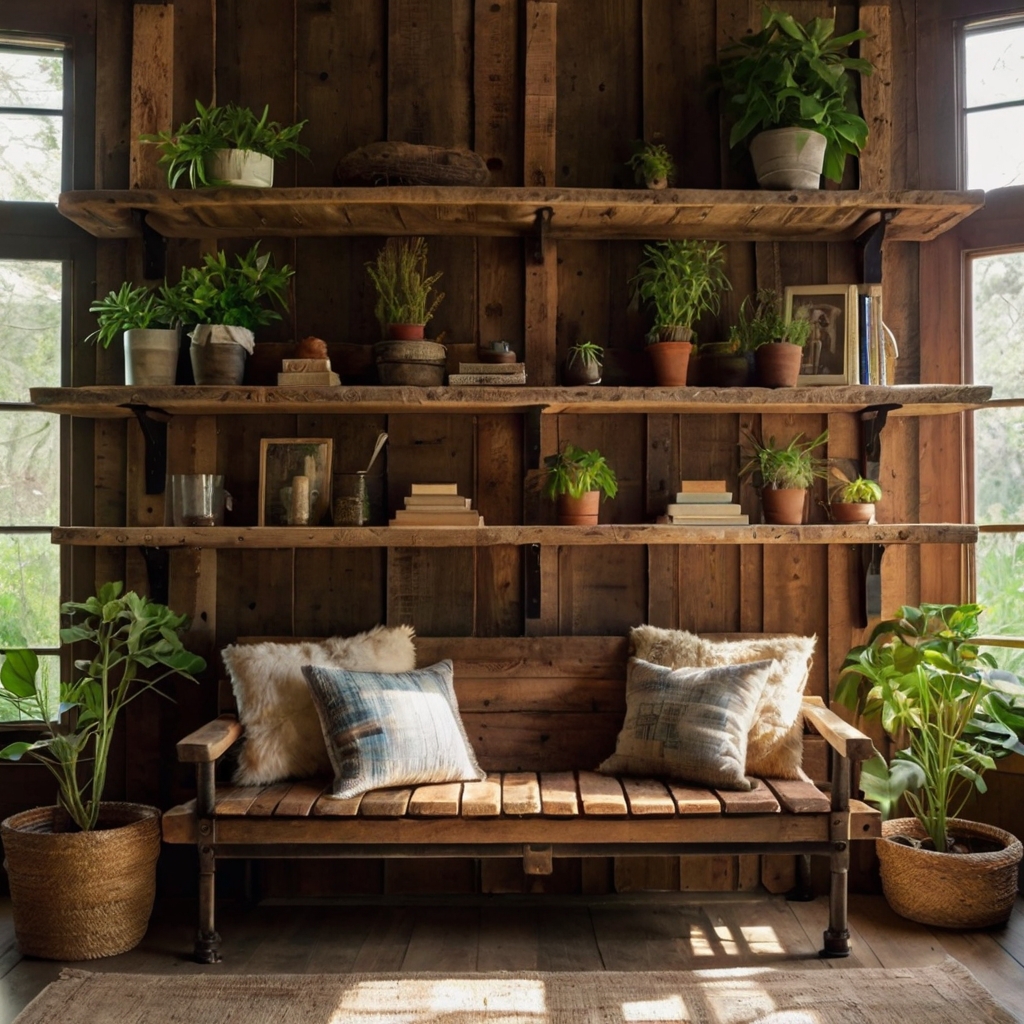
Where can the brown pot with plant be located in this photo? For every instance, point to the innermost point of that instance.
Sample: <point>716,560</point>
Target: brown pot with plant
<point>784,475</point>
<point>576,480</point>
<point>583,364</point>
<point>652,165</point>
<point>777,345</point>
<point>853,499</point>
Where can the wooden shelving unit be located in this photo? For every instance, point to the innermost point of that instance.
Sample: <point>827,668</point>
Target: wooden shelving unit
<point>575,213</point>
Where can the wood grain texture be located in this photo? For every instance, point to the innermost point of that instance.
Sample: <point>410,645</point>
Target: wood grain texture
<point>876,98</point>
<point>540,93</point>
<point>601,795</point>
<point>558,794</point>
<point>520,793</point>
<point>440,800</point>
<point>151,89</point>
<point>482,799</point>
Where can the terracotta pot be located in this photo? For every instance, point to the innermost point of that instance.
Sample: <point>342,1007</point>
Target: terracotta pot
<point>852,511</point>
<point>671,359</point>
<point>582,511</point>
<point>579,372</point>
<point>788,158</point>
<point>724,371</point>
<point>784,506</point>
<point>406,332</point>
<point>151,356</point>
<point>778,364</point>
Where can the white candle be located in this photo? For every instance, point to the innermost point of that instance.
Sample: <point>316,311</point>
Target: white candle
<point>300,500</point>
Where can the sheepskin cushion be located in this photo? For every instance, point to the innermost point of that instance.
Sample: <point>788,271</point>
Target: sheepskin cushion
<point>775,744</point>
<point>391,729</point>
<point>688,723</point>
<point>282,731</point>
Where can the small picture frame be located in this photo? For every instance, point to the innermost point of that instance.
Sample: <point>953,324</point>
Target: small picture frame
<point>831,353</point>
<point>295,480</point>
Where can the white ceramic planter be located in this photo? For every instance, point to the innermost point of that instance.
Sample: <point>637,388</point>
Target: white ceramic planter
<point>787,158</point>
<point>241,167</point>
<point>151,357</point>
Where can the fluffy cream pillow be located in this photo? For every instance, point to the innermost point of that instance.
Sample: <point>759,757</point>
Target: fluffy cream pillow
<point>283,739</point>
<point>775,743</point>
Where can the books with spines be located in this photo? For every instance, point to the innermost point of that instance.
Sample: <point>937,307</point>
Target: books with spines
<point>732,520</point>
<point>308,379</point>
<point>437,517</point>
<point>435,489</point>
<point>864,338</point>
<point>439,501</point>
<point>701,486</point>
<point>305,365</point>
<point>493,369</point>
<point>703,498</point>
<point>484,379</point>
<point>703,511</point>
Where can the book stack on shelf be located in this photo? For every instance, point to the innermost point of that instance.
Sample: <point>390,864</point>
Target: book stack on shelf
<point>488,375</point>
<point>437,505</point>
<point>876,346</point>
<point>307,373</point>
<point>704,503</point>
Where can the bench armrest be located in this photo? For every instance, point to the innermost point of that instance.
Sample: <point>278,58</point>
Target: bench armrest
<point>213,739</point>
<point>838,733</point>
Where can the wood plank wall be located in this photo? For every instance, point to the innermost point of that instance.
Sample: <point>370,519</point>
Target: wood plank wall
<point>480,73</point>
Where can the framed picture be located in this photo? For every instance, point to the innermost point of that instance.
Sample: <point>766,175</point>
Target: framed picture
<point>830,355</point>
<point>295,480</point>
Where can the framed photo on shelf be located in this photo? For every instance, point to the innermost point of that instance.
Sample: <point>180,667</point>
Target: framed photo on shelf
<point>831,353</point>
<point>295,480</point>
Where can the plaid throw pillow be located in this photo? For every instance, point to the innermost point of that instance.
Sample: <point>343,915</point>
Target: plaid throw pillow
<point>399,729</point>
<point>688,724</point>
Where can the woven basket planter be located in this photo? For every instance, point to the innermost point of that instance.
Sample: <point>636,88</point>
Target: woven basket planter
<point>82,895</point>
<point>951,890</point>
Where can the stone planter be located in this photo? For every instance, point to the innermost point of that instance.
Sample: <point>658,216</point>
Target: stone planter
<point>151,357</point>
<point>416,363</point>
<point>219,353</point>
<point>788,158</point>
<point>241,167</point>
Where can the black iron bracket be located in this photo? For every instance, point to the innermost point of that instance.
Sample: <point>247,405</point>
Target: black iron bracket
<point>154,433</point>
<point>531,436</point>
<point>154,250</point>
<point>541,225</point>
<point>872,422</point>
<point>870,243</point>
<point>158,572</point>
<point>869,572</point>
<point>531,580</point>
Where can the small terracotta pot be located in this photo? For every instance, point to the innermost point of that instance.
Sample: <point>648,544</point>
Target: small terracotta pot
<point>406,332</point>
<point>778,364</point>
<point>784,506</point>
<point>581,511</point>
<point>852,511</point>
<point>671,359</point>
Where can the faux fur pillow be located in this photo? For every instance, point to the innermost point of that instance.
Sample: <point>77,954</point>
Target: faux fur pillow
<point>775,743</point>
<point>283,739</point>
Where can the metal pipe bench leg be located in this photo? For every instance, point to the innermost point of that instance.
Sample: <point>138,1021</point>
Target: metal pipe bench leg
<point>837,935</point>
<point>207,940</point>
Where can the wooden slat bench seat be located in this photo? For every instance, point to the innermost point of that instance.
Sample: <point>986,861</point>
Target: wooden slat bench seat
<point>535,710</point>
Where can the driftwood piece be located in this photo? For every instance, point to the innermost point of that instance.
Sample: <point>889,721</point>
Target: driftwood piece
<point>404,163</point>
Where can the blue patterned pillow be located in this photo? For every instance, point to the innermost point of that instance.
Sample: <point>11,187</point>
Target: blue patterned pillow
<point>391,729</point>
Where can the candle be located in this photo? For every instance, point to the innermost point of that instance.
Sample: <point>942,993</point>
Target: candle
<point>310,467</point>
<point>300,501</point>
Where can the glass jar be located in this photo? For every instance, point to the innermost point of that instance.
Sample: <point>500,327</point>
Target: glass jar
<point>351,499</point>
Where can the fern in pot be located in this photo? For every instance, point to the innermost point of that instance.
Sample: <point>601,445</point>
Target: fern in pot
<point>577,479</point>
<point>952,713</point>
<point>784,474</point>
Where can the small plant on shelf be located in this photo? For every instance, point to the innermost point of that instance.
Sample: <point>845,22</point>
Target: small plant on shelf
<point>406,298</point>
<point>652,165</point>
<point>853,499</point>
<point>576,480</point>
<point>777,345</point>
<point>784,474</point>
<point>583,364</point>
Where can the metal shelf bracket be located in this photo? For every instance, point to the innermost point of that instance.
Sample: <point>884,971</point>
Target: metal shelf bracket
<point>541,225</point>
<point>158,572</point>
<point>154,433</point>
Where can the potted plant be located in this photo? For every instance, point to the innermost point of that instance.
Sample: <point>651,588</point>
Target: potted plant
<point>777,346</point>
<point>953,713</point>
<point>725,364</point>
<point>789,86</point>
<point>583,364</point>
<point>83,873</point>
<point>680,280</point>
<point>227,145</point>
<point>226,304</point>
<point>652,164</point>
<point>576,480</point>
<point>785,474</point>
<point>150,323</point>
<point>406,301</point>
<point>853,501</point>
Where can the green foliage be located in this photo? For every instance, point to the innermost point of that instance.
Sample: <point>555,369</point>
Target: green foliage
<point>790,75</point>
<point>403,288</point>
<point>681,280</point>
<point>238,296</point>
<point>924,679</point>
<point>859,491</point>
<point>230,127</point>
<point>650,162</point>
<point>574,471</point>
<point>130,634</point>
<point>585,352</point>
<point>789,466</point>
<point>761,322</point>
<point>129,308</point>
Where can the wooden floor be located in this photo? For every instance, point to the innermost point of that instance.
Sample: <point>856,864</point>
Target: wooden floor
<point>656,932</point>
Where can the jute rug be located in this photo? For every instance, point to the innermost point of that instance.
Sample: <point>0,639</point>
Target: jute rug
<point>944,994</point>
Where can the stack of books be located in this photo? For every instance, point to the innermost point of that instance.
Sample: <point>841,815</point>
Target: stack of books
<point>307,373</point>
<point>488,375</point>
<point>704,503</point>
<point>876,345</point>
<point>437,505</point>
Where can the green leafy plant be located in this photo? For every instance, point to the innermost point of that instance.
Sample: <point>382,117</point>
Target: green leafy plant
<point>238,296</point>
<point>924,679</point>
<point>651,162</point>
<point>859,490</point>
<point>574,471</point>
<point>792,465</point>
<point>585,352</point>
<point>790,75</point>
<point>681,280</point>
<point>760,322</point>
<point>403,287</point>
<point>128,308</point>
<point>131,635</point>
<point>186,150</point>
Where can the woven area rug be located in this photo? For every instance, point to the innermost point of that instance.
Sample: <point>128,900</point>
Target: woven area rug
<point>944,994</point>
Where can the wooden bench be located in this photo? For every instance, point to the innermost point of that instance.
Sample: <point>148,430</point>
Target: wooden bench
<point>539,712</point>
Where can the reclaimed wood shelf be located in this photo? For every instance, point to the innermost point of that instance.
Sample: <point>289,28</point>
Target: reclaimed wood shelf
<point>113,402</point>
<point>261,537</point>
<point>576,213</point>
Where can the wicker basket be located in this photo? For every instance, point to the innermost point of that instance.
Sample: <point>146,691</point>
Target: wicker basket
<point>951,890</point>
<point>82,895</point>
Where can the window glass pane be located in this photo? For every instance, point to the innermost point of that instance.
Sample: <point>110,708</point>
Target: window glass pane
<point>30,303</point>
<point>1001,591</point>
<point>9,712</point>
<point>29,469</point>
<point>29,591</point>
<point>32,79</point>
<point>995,148</point>
<point>994,66</point>
<point>30,157</point>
